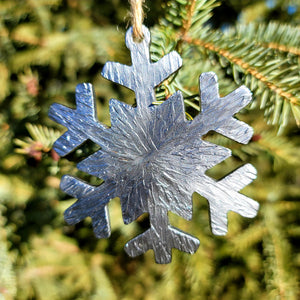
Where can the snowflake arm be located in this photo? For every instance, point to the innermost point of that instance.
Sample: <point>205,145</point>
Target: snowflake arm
<point>150,74</point>
<point>81,122</point>
<point>216,113</point>
<point>223,197</point>
<point>92,202</point>
<point>161,237</point>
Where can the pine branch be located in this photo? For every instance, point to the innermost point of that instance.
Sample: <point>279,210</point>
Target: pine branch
<point>248,238</point>
<point>188,16</point>
<point>277,36</point>
<point>283,150</point>
<point>40,141</point>
<point>262,56</point>
<point>280,275</point>
<point>260,65</point>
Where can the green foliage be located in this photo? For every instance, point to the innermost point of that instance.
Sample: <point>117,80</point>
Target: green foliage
<point>265,57</point>
<point>7,274</point>
<point>41,140</point>
<point>49,46</point>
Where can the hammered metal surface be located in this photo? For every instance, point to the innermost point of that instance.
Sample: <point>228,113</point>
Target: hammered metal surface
<point>151,157</point>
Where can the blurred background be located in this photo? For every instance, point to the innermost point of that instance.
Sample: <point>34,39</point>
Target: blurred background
<point>49,46</point>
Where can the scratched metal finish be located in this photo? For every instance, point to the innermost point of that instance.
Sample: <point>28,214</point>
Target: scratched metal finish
<point>142,76</point>
<point>151,157</point>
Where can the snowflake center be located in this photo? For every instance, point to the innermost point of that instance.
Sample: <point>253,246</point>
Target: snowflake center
<point>149,157</point>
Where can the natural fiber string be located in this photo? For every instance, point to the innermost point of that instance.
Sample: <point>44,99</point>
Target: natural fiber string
<point>137,17</point>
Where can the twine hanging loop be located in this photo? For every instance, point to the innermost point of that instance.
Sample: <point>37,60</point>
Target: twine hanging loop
<point>137,17</point>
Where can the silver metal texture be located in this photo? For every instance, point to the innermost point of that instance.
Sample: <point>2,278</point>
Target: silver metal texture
<point>151,157</point>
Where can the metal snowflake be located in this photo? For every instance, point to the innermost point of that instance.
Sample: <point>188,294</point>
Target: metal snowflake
<point>151,157</point>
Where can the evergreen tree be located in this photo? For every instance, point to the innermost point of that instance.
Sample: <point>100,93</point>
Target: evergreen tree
<point>49,46</point>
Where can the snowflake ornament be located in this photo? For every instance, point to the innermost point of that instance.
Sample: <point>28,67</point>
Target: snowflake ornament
<point>152,157</point>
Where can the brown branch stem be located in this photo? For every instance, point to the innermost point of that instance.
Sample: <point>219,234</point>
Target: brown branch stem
<point>283,48</point>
